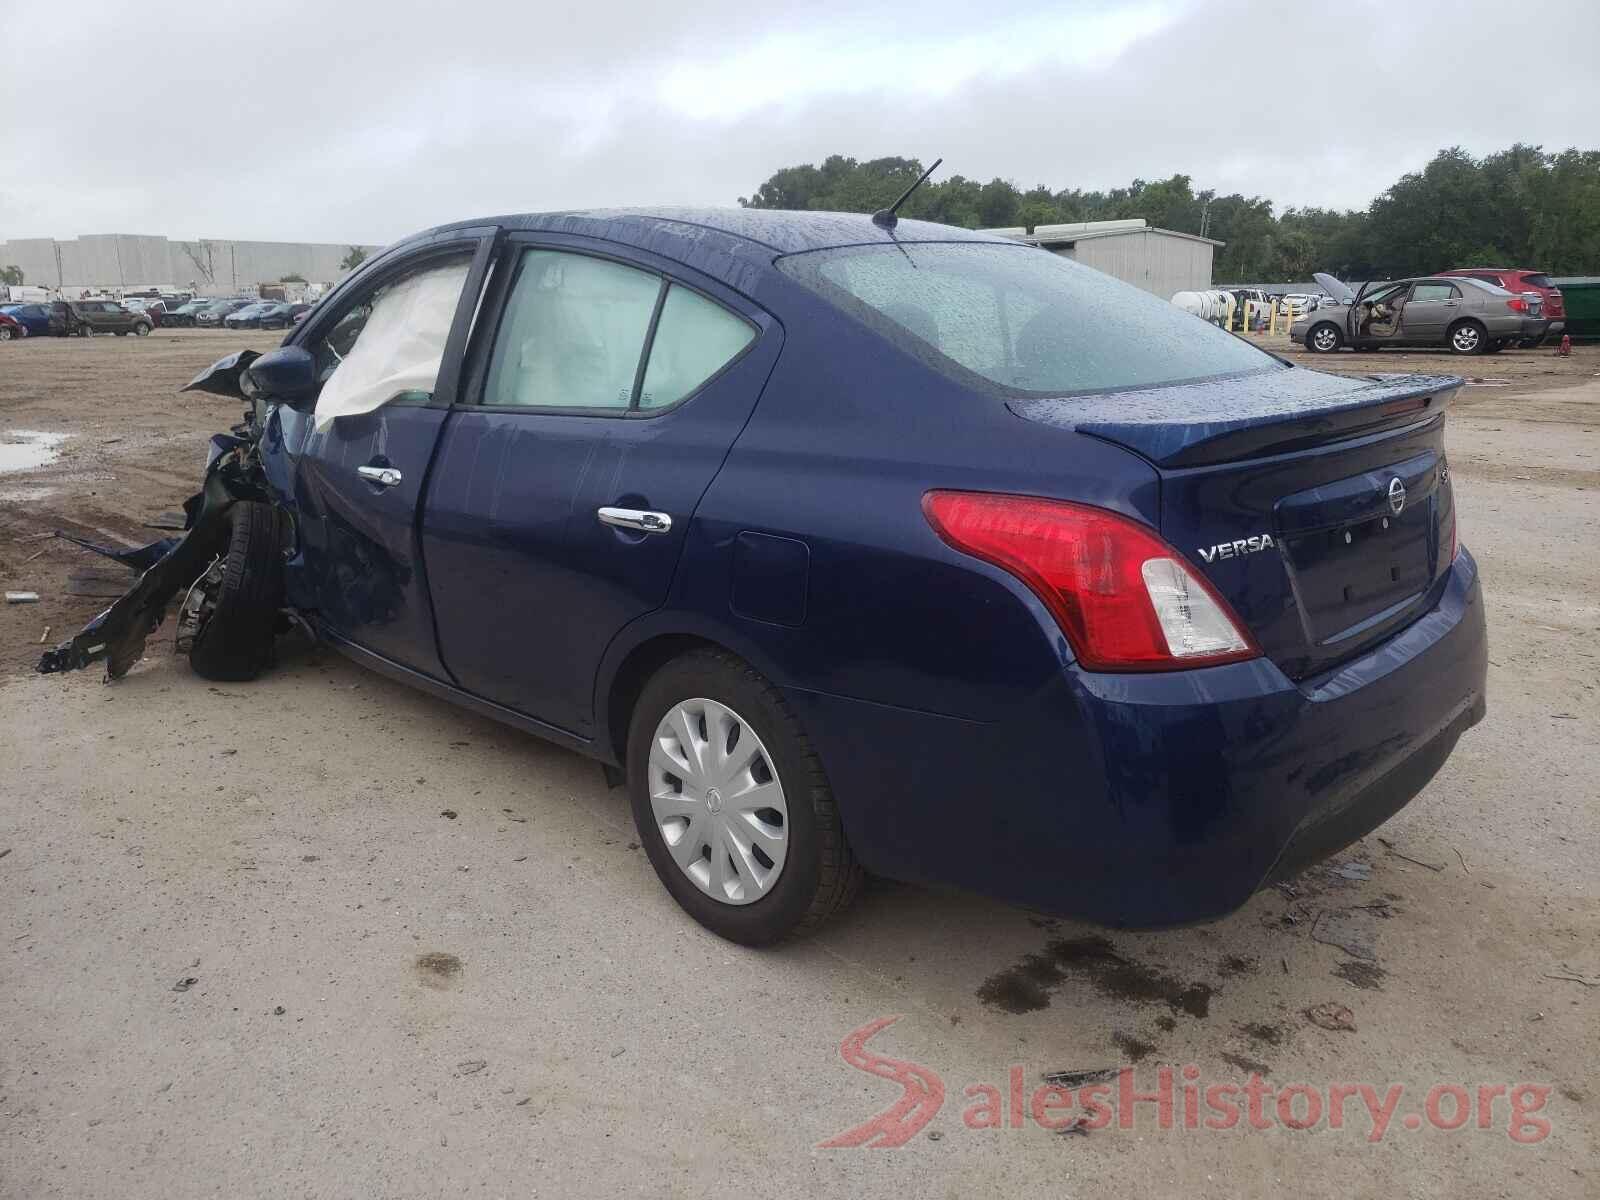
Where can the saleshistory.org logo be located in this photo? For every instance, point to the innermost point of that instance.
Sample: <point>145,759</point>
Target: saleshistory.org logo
<point>1178,1098</point>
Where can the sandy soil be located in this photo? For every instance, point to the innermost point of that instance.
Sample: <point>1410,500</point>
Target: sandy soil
<point>387,1001</point>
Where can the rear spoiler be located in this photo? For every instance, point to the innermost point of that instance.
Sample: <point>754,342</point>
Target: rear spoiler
<point>1269,412</point>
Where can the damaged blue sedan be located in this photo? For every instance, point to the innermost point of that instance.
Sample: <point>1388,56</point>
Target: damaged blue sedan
<point>852,545</point>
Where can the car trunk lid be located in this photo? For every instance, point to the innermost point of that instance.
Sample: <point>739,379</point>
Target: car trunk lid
<point>1318,505</point>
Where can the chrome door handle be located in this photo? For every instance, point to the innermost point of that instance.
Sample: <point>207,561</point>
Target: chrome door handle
<point>382,476</point>
<point>635,518</point>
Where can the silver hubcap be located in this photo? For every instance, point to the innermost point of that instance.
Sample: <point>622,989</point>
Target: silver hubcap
<point>717,801</point>
<point>1324,339</point>
<point>1466,338</point>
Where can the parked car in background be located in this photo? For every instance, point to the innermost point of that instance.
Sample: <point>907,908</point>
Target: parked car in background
<point>1102,611</point>
<point>1519,280</point>
<point>34,318</point>
<point>213,314</point>
<point>1467,316</point>
<point>155,309</point>
<point>104,316</point>
<point>182,317</point>
<point>282,316</point>
<point>11,329</point>
<point>249,317</point>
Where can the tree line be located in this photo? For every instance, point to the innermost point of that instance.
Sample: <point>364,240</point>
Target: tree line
<point>1520,207</point>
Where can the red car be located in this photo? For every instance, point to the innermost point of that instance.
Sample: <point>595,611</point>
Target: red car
<point>11,328</point>
<point>1518,280</point>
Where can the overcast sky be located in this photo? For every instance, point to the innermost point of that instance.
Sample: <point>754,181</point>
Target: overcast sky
<point>363,120</point>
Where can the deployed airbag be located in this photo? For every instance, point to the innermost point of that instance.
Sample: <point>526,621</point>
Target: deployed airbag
<point>399,348</point>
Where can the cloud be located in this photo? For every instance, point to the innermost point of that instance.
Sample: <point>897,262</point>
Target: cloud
<point>362,121</point>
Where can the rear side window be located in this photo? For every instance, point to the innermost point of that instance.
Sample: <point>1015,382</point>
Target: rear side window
<point>1433,291</point>
<point>695,338</point>
<point>589,334</point>
<point>573,332</point>
<point>1018,321</point>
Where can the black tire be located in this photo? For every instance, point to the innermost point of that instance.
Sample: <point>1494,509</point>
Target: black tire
<point>235,643</point>
<point>1467,337</point>
<point>141,329</point>
<point>1318,340</point>
<point>820,877</point>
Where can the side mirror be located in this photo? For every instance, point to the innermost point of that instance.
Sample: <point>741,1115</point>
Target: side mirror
<point>287,375</point>
<point>221,378</point>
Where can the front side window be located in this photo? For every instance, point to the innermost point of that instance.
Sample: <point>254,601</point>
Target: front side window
<point>573,333</point>
<point>390,344</point>
<point>1020,321</point>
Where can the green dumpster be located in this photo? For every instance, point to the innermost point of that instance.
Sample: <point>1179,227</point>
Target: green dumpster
<point>1580,294</point>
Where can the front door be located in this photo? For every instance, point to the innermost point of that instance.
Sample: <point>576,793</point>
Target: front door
<point>1377,314</point>
<point>388,357</point>
<point>1433,305</point>
<point>562,492</point>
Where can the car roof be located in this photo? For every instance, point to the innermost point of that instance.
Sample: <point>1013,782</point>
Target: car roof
<point>723,242</point>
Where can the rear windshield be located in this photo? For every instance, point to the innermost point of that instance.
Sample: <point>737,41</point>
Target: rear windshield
<point>1538,281</point>
<point>1019,321</point>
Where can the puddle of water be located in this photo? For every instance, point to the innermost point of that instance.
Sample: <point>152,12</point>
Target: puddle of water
<point>25,449</point>
<point>24,494</point>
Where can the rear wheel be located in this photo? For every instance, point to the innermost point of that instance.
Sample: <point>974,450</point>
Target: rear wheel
<point>141,329</point>
<point>731,803</point>
<point>1324,338</point>
<point>5,333</point>
<point>1468,337</point>
<point>238,610</point>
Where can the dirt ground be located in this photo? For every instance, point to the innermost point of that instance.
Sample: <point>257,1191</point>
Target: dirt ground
<point>246,953</point>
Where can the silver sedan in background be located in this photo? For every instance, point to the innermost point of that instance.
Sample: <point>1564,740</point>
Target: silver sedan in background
<point>1468,316</point>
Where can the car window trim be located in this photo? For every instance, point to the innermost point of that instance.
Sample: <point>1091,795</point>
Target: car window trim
<point>518,245</point>
<point>479,242</point>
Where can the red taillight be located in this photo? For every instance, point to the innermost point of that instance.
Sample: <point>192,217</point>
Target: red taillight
<point>1517,304</point>
<point>1125,599</point>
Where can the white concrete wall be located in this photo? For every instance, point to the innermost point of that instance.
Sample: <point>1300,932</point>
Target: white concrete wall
<point>212,266</point>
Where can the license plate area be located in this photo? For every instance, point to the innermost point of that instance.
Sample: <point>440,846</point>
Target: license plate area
<point>1360,550</point>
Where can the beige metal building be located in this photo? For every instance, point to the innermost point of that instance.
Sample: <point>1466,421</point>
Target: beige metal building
<point>1160,261</point>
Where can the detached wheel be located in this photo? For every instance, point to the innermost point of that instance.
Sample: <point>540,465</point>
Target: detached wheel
<point>1468,337</point>
<point>731,803</point>
<point>1324,339</point>
<point>234,639</point>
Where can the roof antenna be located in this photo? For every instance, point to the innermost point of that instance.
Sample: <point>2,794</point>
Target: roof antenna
<point>886,216</point>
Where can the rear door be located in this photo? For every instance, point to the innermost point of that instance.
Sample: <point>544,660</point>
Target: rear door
<point>602,405</point>
<point>1432,306</point>
<point>358,479</point>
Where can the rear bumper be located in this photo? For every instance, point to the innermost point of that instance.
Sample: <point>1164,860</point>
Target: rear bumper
<point>1535,327</point>
<point>1160,799</point>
